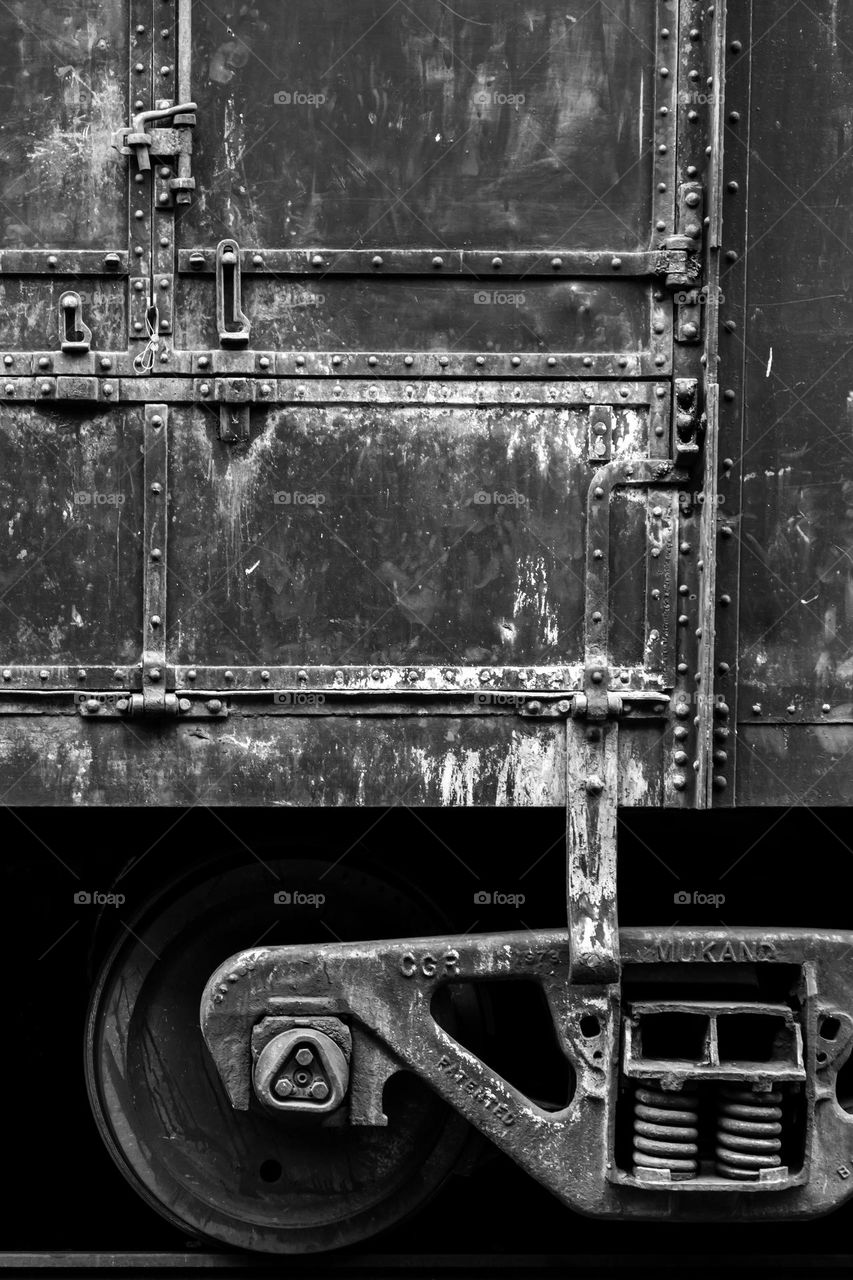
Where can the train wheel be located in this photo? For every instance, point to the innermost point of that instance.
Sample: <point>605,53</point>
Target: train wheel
<point>249,1179</point>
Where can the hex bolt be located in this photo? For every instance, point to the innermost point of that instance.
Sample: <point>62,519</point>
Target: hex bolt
<point>284,1088</point>
<point>304,1057</point>
<point>320,1090</point>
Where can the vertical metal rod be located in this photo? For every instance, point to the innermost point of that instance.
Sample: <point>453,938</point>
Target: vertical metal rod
<point>592,779</point>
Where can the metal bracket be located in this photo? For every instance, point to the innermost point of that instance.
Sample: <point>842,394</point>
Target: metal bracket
<point>155,699</point>
<point>689,296</point>
<point>687,421</point>
<point>600,442</point>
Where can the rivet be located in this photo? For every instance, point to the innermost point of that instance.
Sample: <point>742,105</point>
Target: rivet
<point>44,363</point>
<point>516,361</point>
<point>664,71</point>
<point>154,673</point>
<point>723,668</point>
<point>443,361</point>
<point>596,617</point>
<point>594,785</point>
<point>733,186</point>
<point>680,733</point>
<point>138,285</point>
<point>680,757</point>
<point>156,620</point>
<point>826,708</point>
<point>163,197</point>
<point>164,71</point>
<point>204,389</point>
<point>156,553</point>
<point>598,555</point>
<point>184,704</point>
<point>662,149</point>
<point>721,757</point>
<point>164,283</point>
<point>661,226</point>
<point>679,782</point>
<point>683,620</point>
<point>139,68</point>
<point>156,488</point>
<point>695,33</point>
<point>10,388</point>
<point>106,362</point>
<point>336,360</point>
<point>203,362</point>
<point>265,675</point>
<point>438,262</point>
<point>734,116</point>
<point>684,548</point>
<point>214,705</point>
<point>682,668</point>
<point>497,263</point>
<point>257,260</point>
<point>791,709</point>
<point>192,674</point>
<point>731,255</point>
<point>735,46</point>
<point>45,388</point>
<point>300,360</point>
<point>264,362</point>
<point>108,389</point>
<point>597,677</point>
<point>376,260</point>
<point>730,325</point>
<point>725,601</point>
<point>551,362</point>
<point>682,710</point>
<point>266,390</point>
<point>684,590</point>
<point>229,675</point>
<point>317,260</point>
<point>720,782</point>
<point>616,263</point>
<point>408,361</point>
<point>660,360</point>
<point>599,493</point>
<point>52,260</point>
<point>556,263</point>
<point>587,362</point>
<point>157,421</point>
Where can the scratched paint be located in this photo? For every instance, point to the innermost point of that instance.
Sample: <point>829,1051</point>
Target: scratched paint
<point>433,535</point>
<point>479,124</point>
<point>63,92</point>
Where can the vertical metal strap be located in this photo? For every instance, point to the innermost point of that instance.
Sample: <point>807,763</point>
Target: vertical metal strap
<point>592,776</point>
<point>154,563</point>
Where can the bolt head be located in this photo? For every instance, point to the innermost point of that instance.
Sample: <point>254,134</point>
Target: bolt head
<point>319,1090</point>
<point>304,1057</point>
<point>284,1088</point>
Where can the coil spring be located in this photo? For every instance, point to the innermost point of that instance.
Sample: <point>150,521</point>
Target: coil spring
<point>666,1132</point>
<point>748,1133</point>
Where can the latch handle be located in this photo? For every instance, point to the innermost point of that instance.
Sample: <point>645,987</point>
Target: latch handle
<point>233,324</point>
<point>76,337</point>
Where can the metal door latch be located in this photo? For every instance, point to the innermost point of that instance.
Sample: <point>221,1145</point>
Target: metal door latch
<point>75,336</point>
<point>157,144</point>
<point>231,321</point>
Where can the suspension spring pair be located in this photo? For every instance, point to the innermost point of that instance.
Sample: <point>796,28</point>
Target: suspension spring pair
<point>748,1131</point>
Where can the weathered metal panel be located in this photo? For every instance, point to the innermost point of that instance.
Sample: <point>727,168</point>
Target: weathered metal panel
<point>795,517</point>
<point>70,550</point>
<point>481,125</point>
<point>347,535</point>
<point>64,91</point>
<point>294,761</point>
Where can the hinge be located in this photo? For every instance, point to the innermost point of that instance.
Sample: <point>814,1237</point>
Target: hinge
<point>686,283</point>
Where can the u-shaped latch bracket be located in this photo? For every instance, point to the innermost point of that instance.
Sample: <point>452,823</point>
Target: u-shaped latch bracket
<point>75,336</point>
<point>232,322</point>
